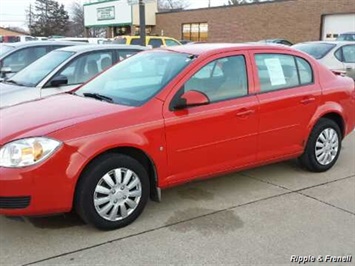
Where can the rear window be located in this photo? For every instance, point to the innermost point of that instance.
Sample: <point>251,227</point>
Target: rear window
<point>170,42</point>
<point>316,50</point>
<point>155,43</point>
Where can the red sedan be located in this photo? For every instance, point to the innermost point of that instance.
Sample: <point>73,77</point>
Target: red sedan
<point>165,117</point>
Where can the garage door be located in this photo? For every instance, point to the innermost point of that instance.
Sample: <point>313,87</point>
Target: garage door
<point>333,25</point>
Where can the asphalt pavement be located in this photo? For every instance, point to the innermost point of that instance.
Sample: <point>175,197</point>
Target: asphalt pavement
<point>262,216</point>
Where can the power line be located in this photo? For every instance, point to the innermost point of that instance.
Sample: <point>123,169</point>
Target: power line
<point>8,14</point>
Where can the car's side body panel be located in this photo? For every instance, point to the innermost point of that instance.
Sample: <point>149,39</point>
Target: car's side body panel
<point>197,142</point>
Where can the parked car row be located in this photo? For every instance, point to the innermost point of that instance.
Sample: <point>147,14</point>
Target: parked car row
<point>62,70</point>
<point>17,38</point>
<point>160,118</point>
<point>339,55</point>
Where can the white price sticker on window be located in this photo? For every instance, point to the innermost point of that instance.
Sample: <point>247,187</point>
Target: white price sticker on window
<point>276,73</point>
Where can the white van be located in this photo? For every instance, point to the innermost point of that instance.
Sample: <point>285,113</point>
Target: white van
<point>84,40</point>
<point>26,38</point>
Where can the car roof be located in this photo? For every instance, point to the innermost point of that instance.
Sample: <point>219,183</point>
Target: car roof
<point>350,32</point>
<point>329,42</point>
<point>17,45</point>
<point>202,48</point>
<point>95,47</point>
<point>147,36</point>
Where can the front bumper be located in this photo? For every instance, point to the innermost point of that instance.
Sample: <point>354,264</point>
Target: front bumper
<point>43,189</point>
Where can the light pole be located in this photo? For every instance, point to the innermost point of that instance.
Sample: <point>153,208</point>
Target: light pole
<point>142,22</point>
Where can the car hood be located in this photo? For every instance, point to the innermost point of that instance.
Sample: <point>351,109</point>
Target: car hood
<point>12,94</point>
<point>45,116</point>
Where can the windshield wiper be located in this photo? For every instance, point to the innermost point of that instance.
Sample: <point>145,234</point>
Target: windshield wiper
<point>12,82</point>
<point>98,97</point>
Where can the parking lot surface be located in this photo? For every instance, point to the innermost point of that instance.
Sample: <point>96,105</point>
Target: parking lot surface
<point>259,216</point>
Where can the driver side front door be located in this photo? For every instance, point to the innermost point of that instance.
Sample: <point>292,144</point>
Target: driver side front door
<point>80,70</point>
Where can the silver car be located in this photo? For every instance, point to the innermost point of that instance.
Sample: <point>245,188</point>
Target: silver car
<point>336,55</point>
<point>16,56</point>
<point>62,70</point>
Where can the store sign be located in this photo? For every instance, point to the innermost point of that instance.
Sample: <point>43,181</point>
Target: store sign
<point>136,2</point>
<point>106,13</point>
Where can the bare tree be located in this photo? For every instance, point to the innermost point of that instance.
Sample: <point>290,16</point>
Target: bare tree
<point>77,19</point>
<point>172,4</point>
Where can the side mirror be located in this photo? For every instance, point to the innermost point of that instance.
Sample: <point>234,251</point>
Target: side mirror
<point>58,81</point>
<point>5,70</point>
<point>190,99</point>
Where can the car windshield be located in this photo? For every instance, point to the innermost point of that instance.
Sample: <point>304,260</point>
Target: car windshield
<point>317,50</point>
<point>135,80</point>
<point>32,75</point>
<point>5,48</point>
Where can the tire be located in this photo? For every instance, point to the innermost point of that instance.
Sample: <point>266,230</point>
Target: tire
<point>323,146</point>
<point>112,192</point>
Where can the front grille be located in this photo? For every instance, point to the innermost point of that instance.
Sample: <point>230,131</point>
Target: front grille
<point>14,202</point>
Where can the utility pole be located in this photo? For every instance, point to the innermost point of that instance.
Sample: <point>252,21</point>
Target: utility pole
<point>30,19</point>
<point>142,22</point>
<point>209,3</point>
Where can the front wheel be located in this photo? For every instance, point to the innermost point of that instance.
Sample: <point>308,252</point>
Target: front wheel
<point>323,146</point>
<point>112,192</point>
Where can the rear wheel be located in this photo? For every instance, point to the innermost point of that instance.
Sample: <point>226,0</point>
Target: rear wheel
<point>112,192</point>
<point>323,146</point>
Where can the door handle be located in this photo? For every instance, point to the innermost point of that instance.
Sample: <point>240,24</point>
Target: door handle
<point>245,112</point>
<point>308,100</point>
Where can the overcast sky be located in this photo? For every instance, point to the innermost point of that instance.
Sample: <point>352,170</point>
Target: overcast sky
<point>13,12</point>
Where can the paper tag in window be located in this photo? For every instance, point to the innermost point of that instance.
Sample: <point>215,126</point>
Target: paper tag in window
<point>275,71</point>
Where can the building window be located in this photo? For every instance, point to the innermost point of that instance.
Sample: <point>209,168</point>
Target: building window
<point>196,32</point>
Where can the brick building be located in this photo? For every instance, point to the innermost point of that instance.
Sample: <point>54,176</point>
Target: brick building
<point>295,20</point>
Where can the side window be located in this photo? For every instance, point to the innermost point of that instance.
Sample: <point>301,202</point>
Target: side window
<point>349,53</point>
<point>154,42</point>
<point>70,71</point>
<point>84,67</point>
<point>170,42</point>
<point>22,58</point>
<point>213,69</point>
<point>305,71</point>
<point>221,79</point>
<point>136,41</point>
<point>339,54</point>
<point>276,71</point>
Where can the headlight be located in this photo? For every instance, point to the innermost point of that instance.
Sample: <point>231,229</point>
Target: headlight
<point>25,152</point>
